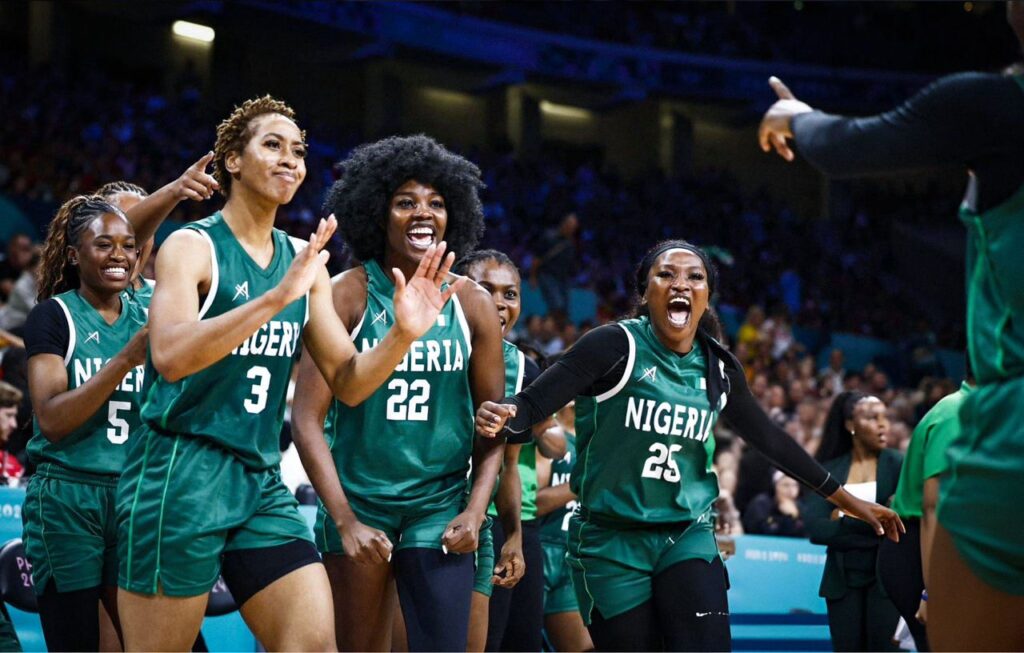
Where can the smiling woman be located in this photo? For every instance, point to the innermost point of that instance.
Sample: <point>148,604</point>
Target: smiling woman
<point>86,344</point>
<point>648,391</point>
<point>394,477</point>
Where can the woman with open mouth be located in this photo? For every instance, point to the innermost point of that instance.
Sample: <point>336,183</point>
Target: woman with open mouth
<point>392,472</point>
<point>648,390</point>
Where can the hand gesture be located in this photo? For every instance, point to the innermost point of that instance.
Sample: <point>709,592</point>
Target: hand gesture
<point>491,417</point>
<point>419,300</point>
<point>511,565</point>
<point>365,545</point>
<point>883,520</point>
<point>776,125</point>
<point>462,534</point>
<point>135,351</point>
<point>195,183</point>
<point>307,264</point>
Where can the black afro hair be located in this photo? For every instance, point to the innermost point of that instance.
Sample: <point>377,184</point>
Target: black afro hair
<point>360,199</point>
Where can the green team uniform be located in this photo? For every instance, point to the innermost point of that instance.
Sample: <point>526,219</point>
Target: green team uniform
<point>980,499</point>
<point>403,454</point>
<point>559,595</point>
<point>143,295</point>
<point>926,455</point>
<point>203,477</point>
<point>485,555</point>
<point>643,475</point>
<point>70,532</point>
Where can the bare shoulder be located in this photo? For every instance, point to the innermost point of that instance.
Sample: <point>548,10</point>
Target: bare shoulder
<point>348,290</point>
<point>185,254</point>
<point>476,303</point>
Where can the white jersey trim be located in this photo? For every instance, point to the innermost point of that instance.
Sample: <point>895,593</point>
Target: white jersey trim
<point>359,327</point>
<point>72,336</point>
<point>630,361</point>
<point>464,324</point>
<point>521,357</point>
<point>214,275</point>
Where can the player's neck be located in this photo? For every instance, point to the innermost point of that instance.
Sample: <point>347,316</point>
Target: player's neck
<point>108,306</point>
<point>250,217</point>
<point>393,259</point>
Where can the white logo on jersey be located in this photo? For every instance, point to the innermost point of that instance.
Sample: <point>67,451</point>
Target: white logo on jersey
<point>95,335</point>
<point>650,373</point>
<point>241,289</point>
<point>380,317</point>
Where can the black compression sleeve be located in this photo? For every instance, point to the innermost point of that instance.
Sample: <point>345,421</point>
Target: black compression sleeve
<point>746,416</point>
<point>578,372</point>
<point>46,330</point>
<point>963,119</point>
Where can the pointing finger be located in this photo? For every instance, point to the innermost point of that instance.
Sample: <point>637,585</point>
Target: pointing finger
<point>780,89</point>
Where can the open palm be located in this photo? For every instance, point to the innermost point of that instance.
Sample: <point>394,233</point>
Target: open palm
<point>419,300</point>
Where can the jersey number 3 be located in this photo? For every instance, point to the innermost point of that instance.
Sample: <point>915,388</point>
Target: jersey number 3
<point>408,401</point>
<point>261,383</point>
<point>661,465</point>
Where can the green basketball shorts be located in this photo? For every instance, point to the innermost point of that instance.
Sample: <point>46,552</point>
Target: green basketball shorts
<point>980,501</point>
<point>485,560</point>
<point>184,501</point>
<point>70,533</point>
<point>405,531</point>
<point>559,595</point>
<point>612,568</point>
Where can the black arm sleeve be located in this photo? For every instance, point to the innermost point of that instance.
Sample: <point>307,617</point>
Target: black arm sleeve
<point>588,368</point>
<point>746,417</point>
<point>46,330</point>
<point>967,119</point>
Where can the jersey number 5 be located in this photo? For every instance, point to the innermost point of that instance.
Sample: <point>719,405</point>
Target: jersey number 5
<point>417,393</point>
<point>118,431</point>
<point>661,465</point>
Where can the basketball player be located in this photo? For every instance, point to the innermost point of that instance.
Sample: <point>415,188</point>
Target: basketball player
<point>646,568</point>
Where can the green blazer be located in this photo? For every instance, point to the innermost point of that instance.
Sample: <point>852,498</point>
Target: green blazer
<point>852,554</point>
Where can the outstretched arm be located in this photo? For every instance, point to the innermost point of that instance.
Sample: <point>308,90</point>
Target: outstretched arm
<point>193,184</point>
<point>746,416</point>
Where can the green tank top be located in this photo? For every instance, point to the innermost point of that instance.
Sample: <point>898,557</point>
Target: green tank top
<point>238,402</point>
<point>927,453</point>
<point>407,447</point>
<point>645,446</point>
<point>143,295</point>
<point>515,367</point>
<point>995,289</point>
<point>555,524</point>
<point>99,445</point>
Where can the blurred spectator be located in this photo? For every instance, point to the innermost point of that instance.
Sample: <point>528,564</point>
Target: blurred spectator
<point>21,299</point>
<point>777,513</point>
<point>10,399</point>
<point>750,334</point>
<point>19,255</point>
<point>555,264</point>
<point>831,378</point>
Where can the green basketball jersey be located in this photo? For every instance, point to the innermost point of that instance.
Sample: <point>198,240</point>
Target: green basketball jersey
<point>407,447</point>
<point>515,367</point>
<point>238,402</point>
<point>555,524</point>
<point>143,295</point>
<point>645,446</point>
<point>926,454</point>
<point>98,446</point>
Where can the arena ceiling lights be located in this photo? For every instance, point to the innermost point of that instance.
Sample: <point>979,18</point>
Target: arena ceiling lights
<point>193,31</point>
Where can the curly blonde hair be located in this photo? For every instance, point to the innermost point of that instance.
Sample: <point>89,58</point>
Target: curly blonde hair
<point>234,132</point>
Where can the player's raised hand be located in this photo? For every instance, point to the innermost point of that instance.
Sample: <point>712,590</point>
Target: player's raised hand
<point>419,300</point>
<point>195,183</point>
<point>307,264</point>
<point>776,125</point>
<point>491,417</point>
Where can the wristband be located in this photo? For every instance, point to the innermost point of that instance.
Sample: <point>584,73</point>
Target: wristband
<point>924,595</point>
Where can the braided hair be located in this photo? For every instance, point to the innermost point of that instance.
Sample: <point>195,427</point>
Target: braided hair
<point>56,273</point>
<point>463,265</point>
